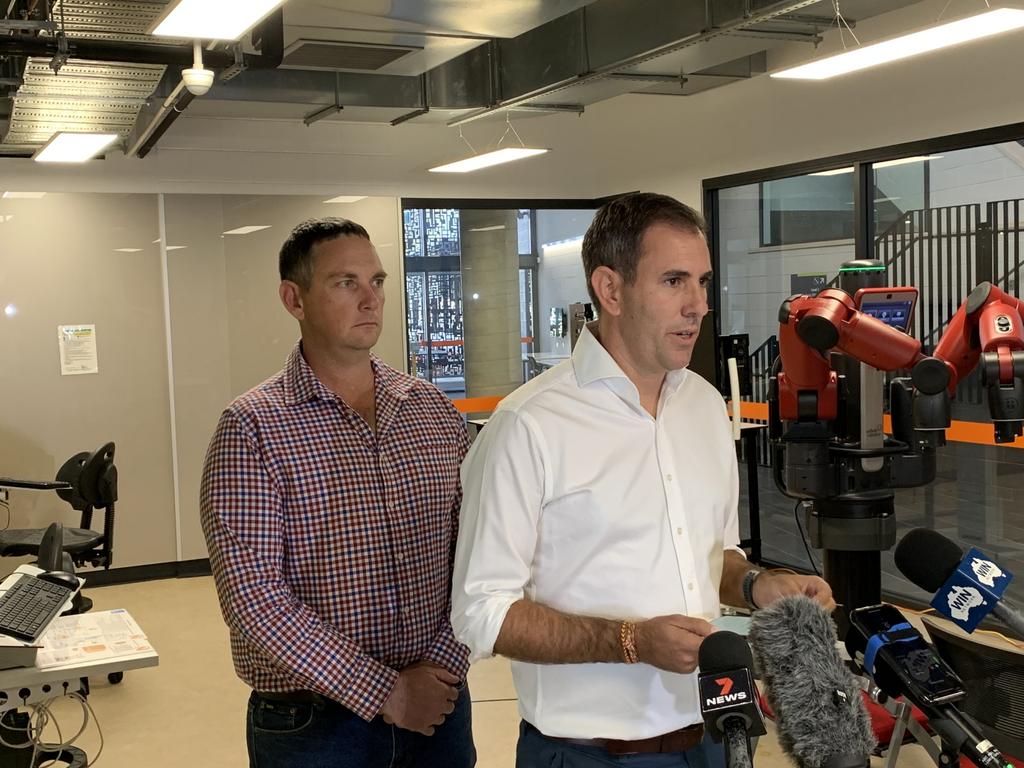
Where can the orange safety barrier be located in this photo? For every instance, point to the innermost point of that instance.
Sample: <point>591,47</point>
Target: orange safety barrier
<point>476,404</point>
<point>975,432</point>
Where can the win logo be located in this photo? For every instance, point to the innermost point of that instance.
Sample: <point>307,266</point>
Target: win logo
<point>986,571</point>
<point>961,600</point>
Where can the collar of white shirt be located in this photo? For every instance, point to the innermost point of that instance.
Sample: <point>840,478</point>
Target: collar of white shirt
<point>592,363</point>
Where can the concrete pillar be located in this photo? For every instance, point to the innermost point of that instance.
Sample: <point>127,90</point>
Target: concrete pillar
<point>490,273</point>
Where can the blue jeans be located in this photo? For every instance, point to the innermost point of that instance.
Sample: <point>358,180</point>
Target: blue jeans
<point>324,734</point>
<point>535,750</point>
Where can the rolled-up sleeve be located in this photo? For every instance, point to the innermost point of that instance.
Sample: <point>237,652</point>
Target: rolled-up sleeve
<point>503,483</point>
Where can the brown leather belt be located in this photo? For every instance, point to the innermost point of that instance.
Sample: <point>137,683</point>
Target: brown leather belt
<point>677,741</point>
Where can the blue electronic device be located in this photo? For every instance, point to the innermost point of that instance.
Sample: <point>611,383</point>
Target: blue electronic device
<point>972,590</point>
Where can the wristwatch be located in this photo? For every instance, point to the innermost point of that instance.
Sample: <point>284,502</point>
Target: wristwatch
<point>748,587</point>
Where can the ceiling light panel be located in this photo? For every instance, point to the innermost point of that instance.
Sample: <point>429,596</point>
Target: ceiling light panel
<point>487,159</point>
<point>246,230</point>
<point>934,38</point>
<point>221,20</point>
<point>67,147</point>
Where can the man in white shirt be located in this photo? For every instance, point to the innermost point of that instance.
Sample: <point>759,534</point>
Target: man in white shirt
<point>599,530</point>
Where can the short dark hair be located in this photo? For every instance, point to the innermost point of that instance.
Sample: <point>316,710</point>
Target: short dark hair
<point>295,261</point>
<point>615,236</point>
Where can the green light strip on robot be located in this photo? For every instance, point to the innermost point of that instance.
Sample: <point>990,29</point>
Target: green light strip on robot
<point>862,269</point>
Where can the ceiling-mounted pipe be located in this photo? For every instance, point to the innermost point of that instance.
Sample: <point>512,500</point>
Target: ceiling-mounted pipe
<point>104,50</point>
<point>173,106</point>
<point>268,35</point>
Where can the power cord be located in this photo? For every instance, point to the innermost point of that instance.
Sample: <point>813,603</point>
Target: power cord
<point>803,537</point>
<point>41,717</point>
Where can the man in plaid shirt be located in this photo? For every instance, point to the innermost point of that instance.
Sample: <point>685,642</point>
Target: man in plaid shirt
<point>330,501</point>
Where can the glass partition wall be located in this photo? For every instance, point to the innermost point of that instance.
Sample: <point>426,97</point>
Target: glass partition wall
<point>481,287</point>
<point>942,216</point>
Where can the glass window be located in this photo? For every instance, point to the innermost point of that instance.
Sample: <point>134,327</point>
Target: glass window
<point>477,282</point>
<point>754,278</point>
<point>807,209</point>
<point>941,222</point>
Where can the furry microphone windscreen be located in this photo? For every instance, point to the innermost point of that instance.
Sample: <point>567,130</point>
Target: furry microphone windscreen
<point>820,716</point>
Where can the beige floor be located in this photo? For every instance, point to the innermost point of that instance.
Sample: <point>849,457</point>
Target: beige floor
<point>189,710</point>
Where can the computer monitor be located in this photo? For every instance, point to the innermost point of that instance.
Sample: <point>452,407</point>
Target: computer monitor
<point>893,306</point>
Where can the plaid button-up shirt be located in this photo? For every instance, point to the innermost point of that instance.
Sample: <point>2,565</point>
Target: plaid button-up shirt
<point>330,544</point>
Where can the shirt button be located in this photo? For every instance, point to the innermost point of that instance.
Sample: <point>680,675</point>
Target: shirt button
<point>399,557</point>
<point>679,531</point>
<point>690,586</point>
<point>669,478</point>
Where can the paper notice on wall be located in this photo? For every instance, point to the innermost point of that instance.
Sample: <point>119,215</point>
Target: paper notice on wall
<point>77,349</point>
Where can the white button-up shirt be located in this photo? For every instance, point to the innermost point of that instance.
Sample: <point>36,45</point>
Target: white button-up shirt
<point>576,498</point>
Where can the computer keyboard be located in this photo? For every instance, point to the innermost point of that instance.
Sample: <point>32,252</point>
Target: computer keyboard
<point>27,608</point>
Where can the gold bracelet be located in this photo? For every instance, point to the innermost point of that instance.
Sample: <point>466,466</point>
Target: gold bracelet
<point>628,642</point>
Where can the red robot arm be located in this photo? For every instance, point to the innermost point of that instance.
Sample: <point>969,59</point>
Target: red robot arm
<point>989,321</point>
<point>811,326</point>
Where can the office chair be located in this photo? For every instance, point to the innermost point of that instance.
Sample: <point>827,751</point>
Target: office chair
<point>993,674</point>
<point>92,478</point>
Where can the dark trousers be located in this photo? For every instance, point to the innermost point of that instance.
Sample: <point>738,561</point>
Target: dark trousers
<point>324,734</point>
<point>535,750</point>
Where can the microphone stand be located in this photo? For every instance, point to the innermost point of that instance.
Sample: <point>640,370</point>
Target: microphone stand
<point>737,743</point>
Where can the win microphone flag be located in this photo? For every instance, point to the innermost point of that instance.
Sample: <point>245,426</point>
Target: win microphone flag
<point>972,590</point>
<point>967,587</point>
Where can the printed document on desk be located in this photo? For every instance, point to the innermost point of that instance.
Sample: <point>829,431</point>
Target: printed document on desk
<point>90,637</point>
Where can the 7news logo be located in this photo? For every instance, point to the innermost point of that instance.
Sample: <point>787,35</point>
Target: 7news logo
<point>725,694</point>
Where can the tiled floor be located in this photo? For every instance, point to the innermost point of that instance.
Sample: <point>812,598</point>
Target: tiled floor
<point>189,710</point>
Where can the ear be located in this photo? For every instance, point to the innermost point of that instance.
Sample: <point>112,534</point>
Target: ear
<point>607,286</point>
<point>291,297</point>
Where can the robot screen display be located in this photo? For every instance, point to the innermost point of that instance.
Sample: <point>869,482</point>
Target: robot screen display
<point>894,313</point>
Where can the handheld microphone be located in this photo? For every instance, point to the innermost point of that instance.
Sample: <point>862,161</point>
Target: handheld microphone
<point>967,587</point>
<point>820,714</point>
<point>902,663</point>
<point>728,698</point>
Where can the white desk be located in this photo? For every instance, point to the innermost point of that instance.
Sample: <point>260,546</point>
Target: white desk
<point>29,685</point>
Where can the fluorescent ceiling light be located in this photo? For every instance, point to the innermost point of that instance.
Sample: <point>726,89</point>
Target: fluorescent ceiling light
<point>498,156</point>
<point>346,199</point>
<point>246,230</point>
<point>127,250</point>
<point>903,47</point>
<point>906,160</point>
<point>65,147</point>
<point>883,164</point>
<point>562,247</point>
<point>834,172</point>
<point>175,247</point>
<point>487,229</point>
<point>24,195</point>
<point>212,19</point>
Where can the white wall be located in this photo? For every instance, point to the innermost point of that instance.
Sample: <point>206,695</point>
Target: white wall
<point>560,277</point>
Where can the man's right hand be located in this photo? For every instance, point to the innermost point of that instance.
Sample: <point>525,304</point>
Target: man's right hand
<point>671,642</point>
<point>422,697</point>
